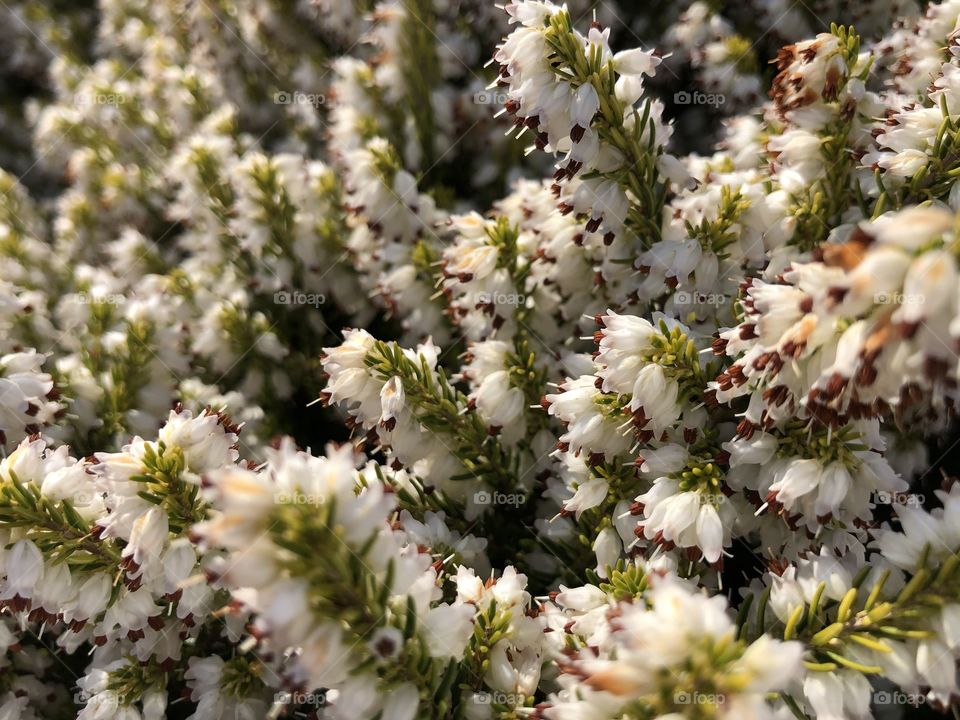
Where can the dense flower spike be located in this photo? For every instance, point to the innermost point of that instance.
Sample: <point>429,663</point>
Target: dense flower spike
<point>585,102</point>
<point>653,421</point>
<point>659,659</point>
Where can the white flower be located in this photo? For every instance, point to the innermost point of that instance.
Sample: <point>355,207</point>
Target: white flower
<point>709,532</point>
<point>838,695</point>
<point>23,569</point>
<point>448,628</point>
<point>636,62</point>
<point>205,441</point>
<point>795,480</point>
<point>608,548</point>
<point>89,600</point>
<point>148,537</point>
<point>588,495</point>
<point>500,404</point>
<point>655,399</point>
<point>392,401</point>
<point>402,703</point>
<point>585,105</point>
<point>636,661</point>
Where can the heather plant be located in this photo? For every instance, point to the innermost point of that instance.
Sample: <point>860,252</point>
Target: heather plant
<point>440,360</point>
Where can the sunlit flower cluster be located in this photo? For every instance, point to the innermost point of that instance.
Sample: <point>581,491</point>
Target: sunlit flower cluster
<point>441,360</point>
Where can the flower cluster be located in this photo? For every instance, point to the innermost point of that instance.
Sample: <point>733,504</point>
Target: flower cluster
<point>323,396</point>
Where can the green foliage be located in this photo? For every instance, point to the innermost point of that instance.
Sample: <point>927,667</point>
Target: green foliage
<point>439,407</point>
<point>55,527</point>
